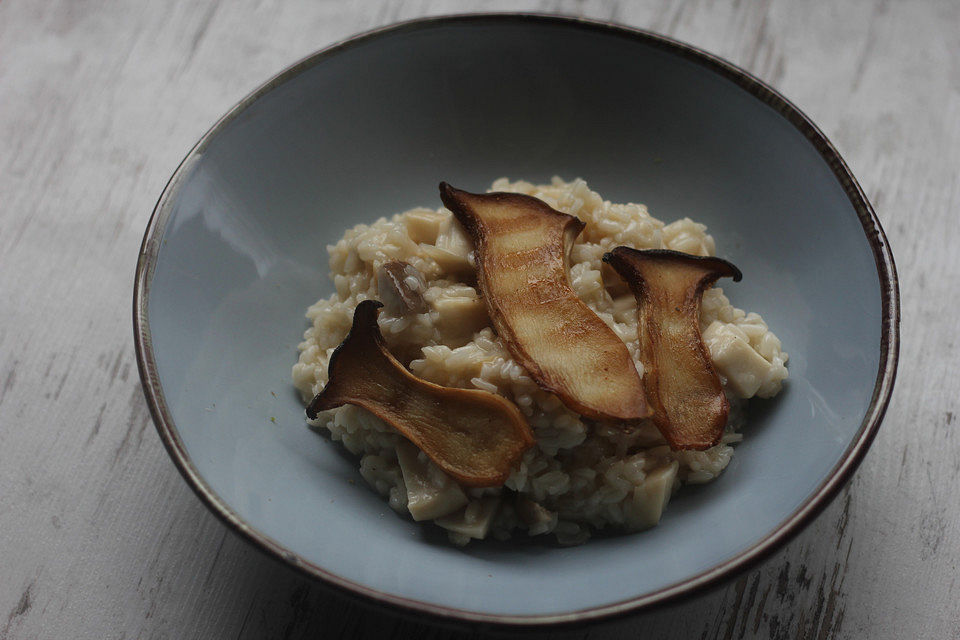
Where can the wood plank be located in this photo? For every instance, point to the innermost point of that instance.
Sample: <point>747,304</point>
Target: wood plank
<point>99,536</point>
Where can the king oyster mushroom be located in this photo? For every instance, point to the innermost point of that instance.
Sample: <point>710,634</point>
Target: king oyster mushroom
<point>474,436</point>
<point>689,406</point>
<point>522,246</point>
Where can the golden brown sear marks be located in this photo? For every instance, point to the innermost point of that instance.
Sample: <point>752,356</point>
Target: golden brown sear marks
<point>522,246</point>
<point>682,386</point>
<point>475,436</point>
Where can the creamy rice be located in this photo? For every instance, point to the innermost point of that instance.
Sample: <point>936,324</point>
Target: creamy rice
<point>581,476</point>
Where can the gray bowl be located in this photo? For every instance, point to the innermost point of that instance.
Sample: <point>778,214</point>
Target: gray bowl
<point>235,252</point>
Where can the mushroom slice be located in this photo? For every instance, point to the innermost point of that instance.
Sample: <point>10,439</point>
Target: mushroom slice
<point>475,436</point>
<point>430,493</point>
<point>651,498</point>
<point>682,386</point>
<point>401,287</point>
<point>522,246</point>
<point>538,518</point>
<point>474,520</point>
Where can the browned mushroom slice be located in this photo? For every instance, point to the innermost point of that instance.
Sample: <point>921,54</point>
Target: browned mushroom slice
<point>682,386</point>
<point>522,246</point>
<point>475,436</point>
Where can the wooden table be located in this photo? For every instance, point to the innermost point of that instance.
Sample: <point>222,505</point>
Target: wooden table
<point>99,536</point>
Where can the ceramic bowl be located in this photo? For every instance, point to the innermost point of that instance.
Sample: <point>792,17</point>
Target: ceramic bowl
<point>235,253</point>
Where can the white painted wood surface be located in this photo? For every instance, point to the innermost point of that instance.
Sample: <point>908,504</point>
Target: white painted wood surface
<point>99,100</point>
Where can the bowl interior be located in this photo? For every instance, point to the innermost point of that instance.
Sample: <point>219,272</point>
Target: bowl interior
<point>370,131</point>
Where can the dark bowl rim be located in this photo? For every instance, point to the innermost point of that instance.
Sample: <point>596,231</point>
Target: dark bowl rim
<point>750,557</point>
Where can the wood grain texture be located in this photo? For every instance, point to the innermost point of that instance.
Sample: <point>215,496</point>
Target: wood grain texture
<point>99,100</point>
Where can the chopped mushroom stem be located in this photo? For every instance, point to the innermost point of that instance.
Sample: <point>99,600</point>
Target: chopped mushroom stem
<point>683,388</point>
<point>430,493</point>
<point>522,246</point>
<point>474,436</point>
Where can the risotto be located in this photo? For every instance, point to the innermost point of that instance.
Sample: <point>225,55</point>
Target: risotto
<point>580,476</point>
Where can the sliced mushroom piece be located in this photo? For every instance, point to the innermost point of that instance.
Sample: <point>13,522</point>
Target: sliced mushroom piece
<point>730,351</point>
<point>689,406</point>
<point>474,520</point>
<point>451,249</point>
<point>537,517</point>
<point>459,317</point>
<point>430,492</point>
<point>522,245</point>
<point>651,498</point>
<point>423,225</point>
<point>400,287</point>
<point>475,436</point>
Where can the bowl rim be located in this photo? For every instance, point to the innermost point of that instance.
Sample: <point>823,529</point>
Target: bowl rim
<point>748,558</point>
